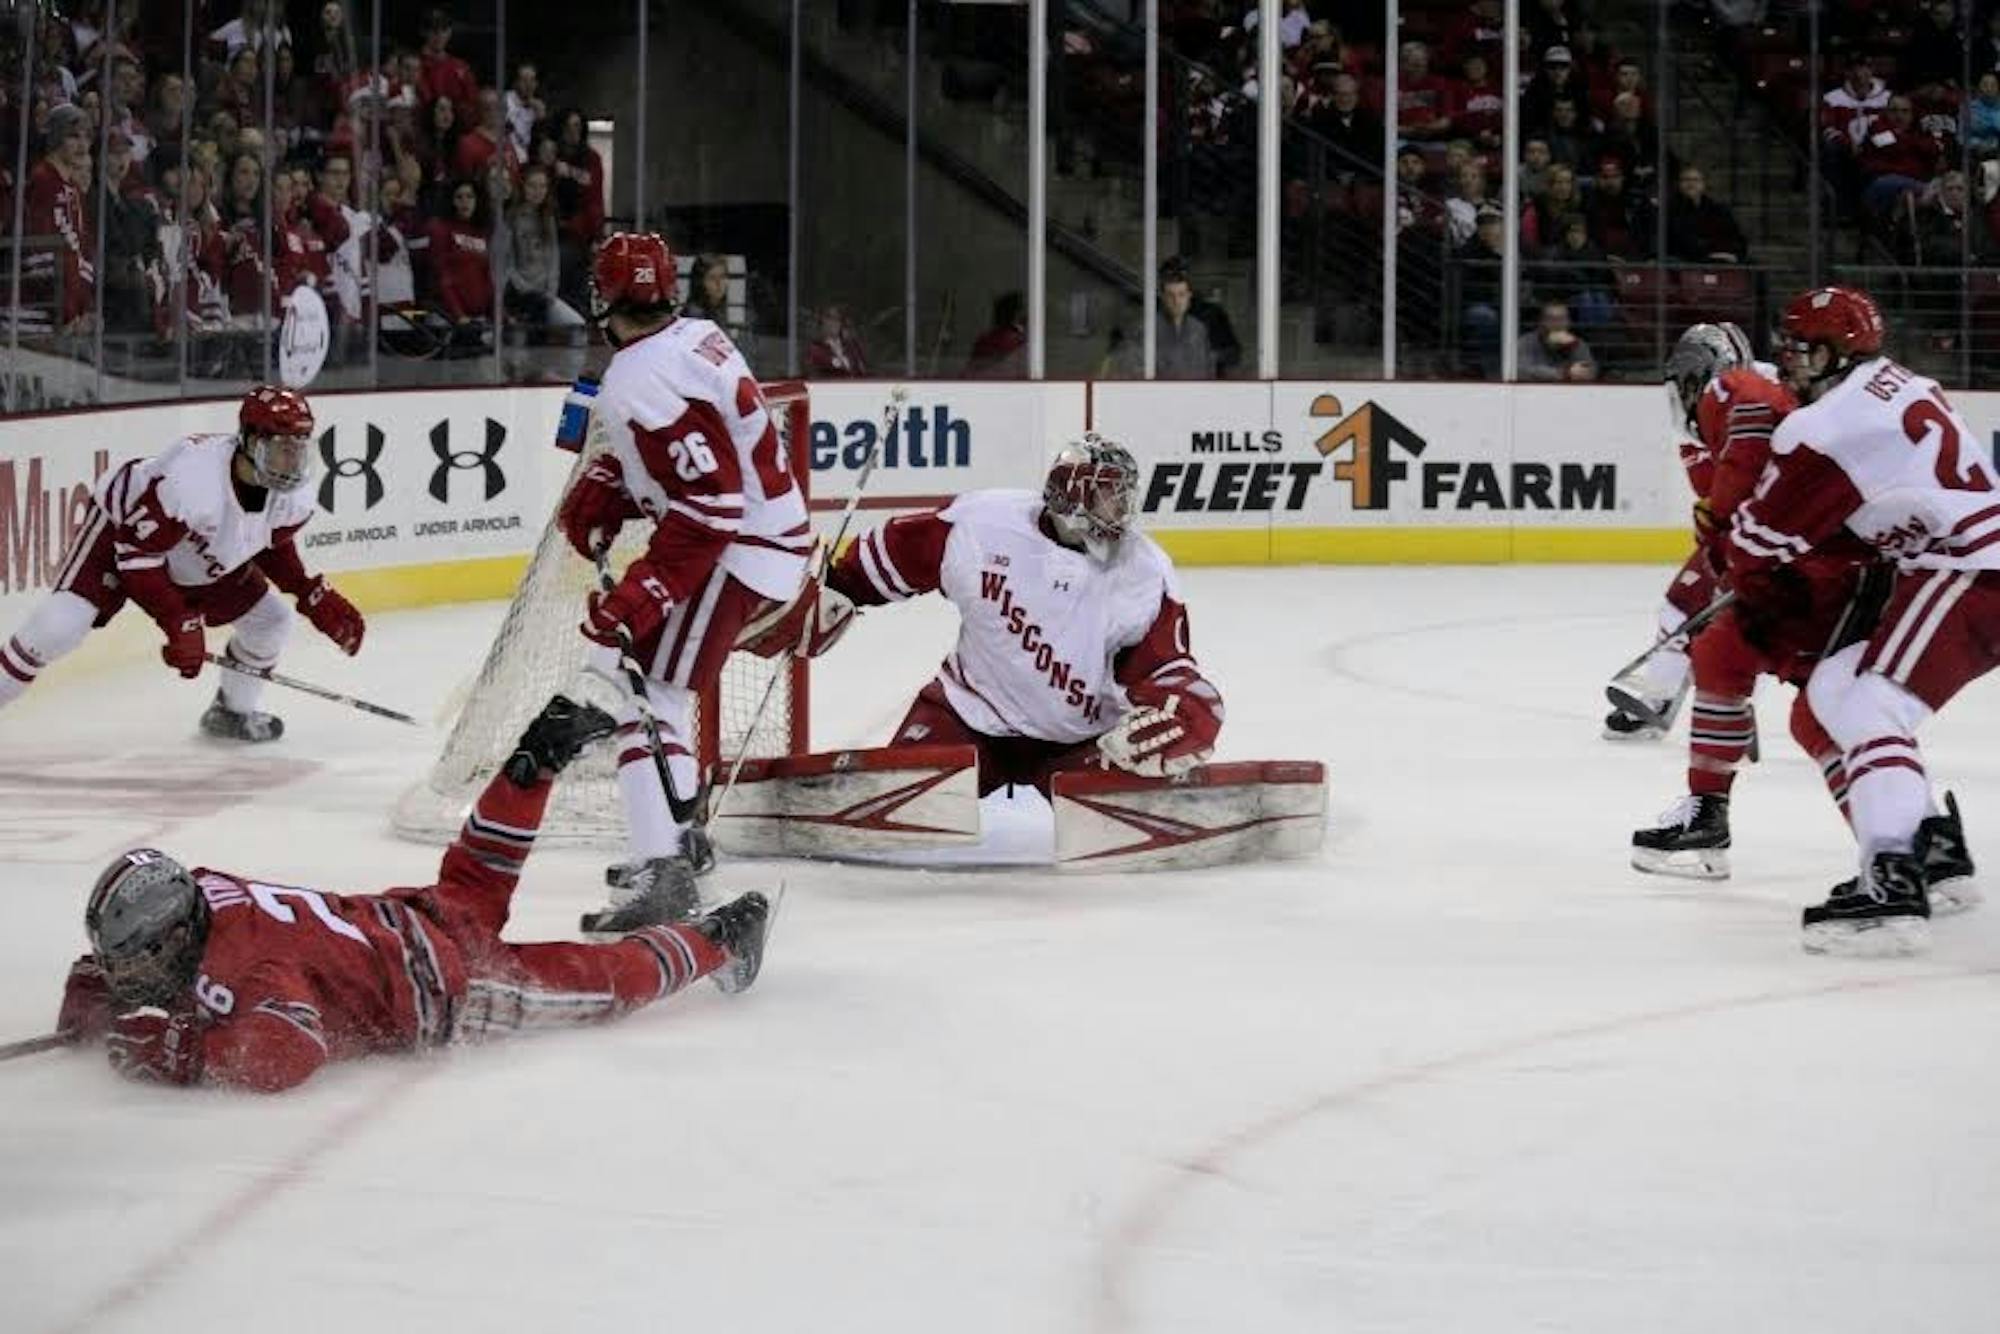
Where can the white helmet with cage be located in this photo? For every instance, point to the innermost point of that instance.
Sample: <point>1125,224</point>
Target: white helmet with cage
<point>1091,494</point>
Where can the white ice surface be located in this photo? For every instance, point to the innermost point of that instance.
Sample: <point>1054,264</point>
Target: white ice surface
<point>1466,1073</point>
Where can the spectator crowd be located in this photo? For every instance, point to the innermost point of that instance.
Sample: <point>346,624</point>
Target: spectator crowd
<point>412,197</point>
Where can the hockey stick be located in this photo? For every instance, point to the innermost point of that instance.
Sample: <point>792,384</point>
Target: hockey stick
<point>897,398</point>
<point>307,687</point>
<point>32,1046</point>
<point>635,681</point>
<point>1623,688</point>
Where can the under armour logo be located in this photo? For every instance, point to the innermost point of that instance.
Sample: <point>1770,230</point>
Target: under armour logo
<point>363,467</point>
<point>449,461</point>
<point>1060,585</point>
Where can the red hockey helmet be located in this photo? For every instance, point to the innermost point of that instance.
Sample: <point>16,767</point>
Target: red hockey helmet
<point>1090,492</point>
<point>633,271</point>
<point>275,427</point>
<point>1843,319</point>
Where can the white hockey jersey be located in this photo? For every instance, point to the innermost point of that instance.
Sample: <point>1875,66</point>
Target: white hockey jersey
<point>1048,638</point>
<point>179,509</point>
<point>1885,455</point>
<point>683,416</point>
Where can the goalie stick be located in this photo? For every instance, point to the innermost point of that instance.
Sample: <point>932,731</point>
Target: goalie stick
<point>307,687</point>
<point>683,810</point>
<point>1623,690</point>
<point>897,398</point>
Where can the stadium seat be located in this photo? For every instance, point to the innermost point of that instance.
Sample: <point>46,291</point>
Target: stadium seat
<point>1721,293</point>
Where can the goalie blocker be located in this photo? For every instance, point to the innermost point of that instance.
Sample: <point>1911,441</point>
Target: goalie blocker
<point>860,803</point>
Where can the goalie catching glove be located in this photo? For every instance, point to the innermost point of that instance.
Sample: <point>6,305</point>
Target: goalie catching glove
<point>1167,733</point>
<point>805,627</point>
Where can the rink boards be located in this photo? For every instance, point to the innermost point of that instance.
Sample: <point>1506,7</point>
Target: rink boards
<point>438,496</point>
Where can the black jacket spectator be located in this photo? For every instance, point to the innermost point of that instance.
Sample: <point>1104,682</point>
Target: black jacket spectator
<point>1620,219</point>
<point>1353,134</point>
<point>1936,53</point>
<point>1702,229</point>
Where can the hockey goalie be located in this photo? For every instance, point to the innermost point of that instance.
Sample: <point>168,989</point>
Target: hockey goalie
<point>1074,673</point>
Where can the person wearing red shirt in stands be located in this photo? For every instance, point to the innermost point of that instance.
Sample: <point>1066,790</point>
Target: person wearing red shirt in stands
<point>461,265</point>
<point>60,277</point>
<point>1426,103</point>
<point>1896,157</point>
<point>479,145</point>
<point>1479,113</point>
<point>577,174</point>
<point>444,74</point>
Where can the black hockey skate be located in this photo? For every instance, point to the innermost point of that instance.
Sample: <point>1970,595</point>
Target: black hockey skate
<point>1884,914</point>
<point>1691,841</point>
<point>740,927</point>
<point>1948,862</point>
<point>696,846</point>
<point>228,724</point>
<point>556,736</point>
<point>655,892</point>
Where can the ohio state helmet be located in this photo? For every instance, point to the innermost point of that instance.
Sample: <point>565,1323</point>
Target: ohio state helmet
<point>1703,352</point>
<point>274,428</point>
<point>1090,494</point>
<point>633,271</point>
<point>1846,320</point>
<point>147,923</point>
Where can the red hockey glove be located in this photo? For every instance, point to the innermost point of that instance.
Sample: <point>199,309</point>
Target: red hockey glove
<point>151,1044</point>
<point>86,1004</point>
<point>596,507</point>
<point>639,603</point>
<point>186,646</point>
<point>806,627</point>
<point>333,615</point>
<point>1166,734</point>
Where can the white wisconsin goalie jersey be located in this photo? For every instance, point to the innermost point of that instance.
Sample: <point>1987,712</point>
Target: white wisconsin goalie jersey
<point>1048,637</point>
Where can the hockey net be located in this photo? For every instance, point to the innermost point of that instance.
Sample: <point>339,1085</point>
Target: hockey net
<point>539,652</point>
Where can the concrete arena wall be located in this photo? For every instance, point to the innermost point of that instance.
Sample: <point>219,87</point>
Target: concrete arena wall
<point>439,496</point>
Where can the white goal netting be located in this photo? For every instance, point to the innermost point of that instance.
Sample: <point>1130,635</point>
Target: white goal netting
<point>538,652</point>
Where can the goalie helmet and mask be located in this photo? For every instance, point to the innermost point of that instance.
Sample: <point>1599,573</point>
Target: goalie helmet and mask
<point>634,274</point>
<point>148,923</point>
<point>1091,494</point>
<point>274,427</point>
<point>1702,353</point>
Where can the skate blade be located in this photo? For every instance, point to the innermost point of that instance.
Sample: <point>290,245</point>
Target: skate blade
<point>1646,733</point>
<point>1870,938</point>
<point>1687,864</point>
<point>1949,897</point>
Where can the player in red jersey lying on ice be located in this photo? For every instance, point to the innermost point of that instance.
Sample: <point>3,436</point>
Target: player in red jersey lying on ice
<point>207,976</point>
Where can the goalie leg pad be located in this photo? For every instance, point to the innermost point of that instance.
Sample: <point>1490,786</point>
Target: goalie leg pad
<point>852,802</point>
<point>1213,815</point>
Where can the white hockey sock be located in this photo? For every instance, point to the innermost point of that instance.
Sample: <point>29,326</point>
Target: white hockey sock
<point>1875,722</point>
<point>651,830</point>
<point>259,637</point>
<point>54,628</point>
